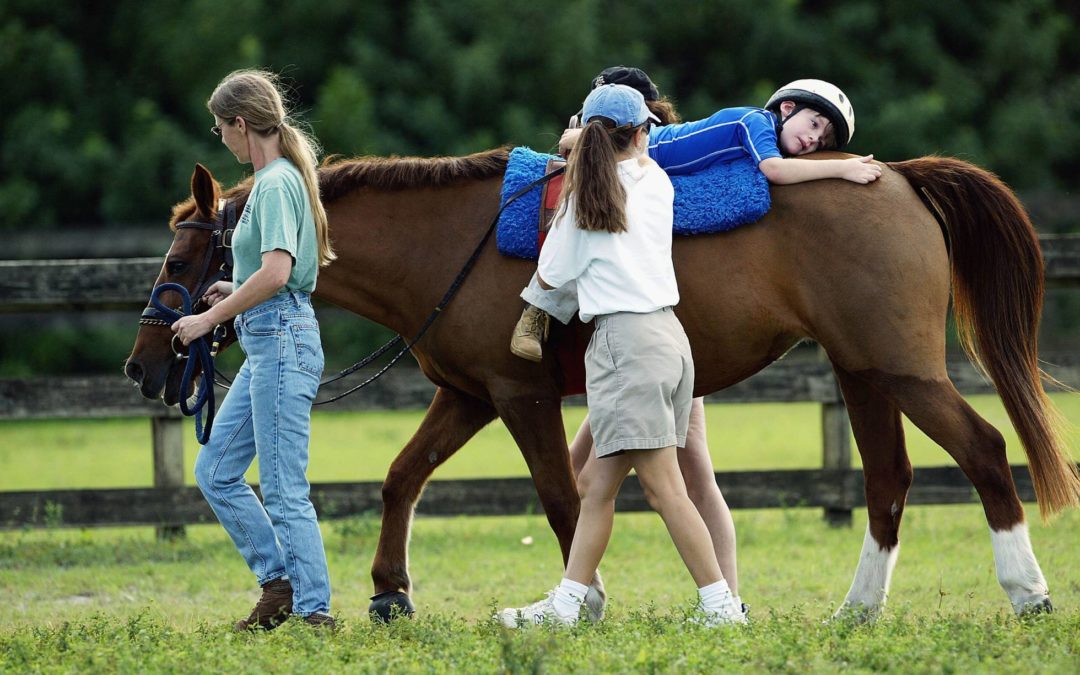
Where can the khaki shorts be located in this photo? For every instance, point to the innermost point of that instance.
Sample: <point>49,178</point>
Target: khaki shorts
<point>640,381</point>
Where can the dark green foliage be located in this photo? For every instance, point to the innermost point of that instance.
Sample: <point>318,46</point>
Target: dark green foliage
<point>104,114</point>
<point>86,344</point>
<point>104,105</point>
<point>67,344</point>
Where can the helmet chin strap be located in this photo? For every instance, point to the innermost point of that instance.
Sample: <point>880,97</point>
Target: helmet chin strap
<point>799,107</point>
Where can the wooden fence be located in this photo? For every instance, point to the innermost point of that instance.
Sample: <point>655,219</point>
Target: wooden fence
<point>90,285</point>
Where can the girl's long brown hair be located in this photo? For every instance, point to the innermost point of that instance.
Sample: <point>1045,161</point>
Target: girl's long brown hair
<point>593,179</point>
<point>664,109</point>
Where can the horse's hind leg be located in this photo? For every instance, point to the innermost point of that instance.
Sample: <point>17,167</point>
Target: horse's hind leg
<point>879,434</point>
<point>451,420</point>
<point>979,449</point>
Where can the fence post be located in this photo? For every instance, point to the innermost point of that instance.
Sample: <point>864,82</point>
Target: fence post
<point>836,451</point>
<point>168,464</point>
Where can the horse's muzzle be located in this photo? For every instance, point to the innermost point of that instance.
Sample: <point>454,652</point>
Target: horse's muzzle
<point>149,387</point>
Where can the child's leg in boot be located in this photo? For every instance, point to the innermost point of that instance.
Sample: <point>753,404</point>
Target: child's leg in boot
<point>531,329</point>
<point>530,333</point>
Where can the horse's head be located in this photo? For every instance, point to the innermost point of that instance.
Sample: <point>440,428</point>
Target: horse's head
<point>196,259</point>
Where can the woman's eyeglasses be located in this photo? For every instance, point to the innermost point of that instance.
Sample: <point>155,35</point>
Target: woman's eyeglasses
<point>216,129</point>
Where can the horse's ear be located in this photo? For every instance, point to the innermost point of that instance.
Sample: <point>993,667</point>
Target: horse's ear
<point>205,191</point>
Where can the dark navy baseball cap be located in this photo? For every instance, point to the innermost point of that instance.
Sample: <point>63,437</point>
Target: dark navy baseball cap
<point>635,78</point>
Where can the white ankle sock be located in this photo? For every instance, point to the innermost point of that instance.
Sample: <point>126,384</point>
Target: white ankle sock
<point>717,598</point>
<point>569,596</point>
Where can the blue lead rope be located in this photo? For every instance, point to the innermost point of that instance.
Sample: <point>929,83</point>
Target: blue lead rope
<point>198,349</point>
<point>205,353</point>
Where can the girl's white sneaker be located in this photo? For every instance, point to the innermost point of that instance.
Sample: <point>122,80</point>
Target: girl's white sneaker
<point>537,614</point>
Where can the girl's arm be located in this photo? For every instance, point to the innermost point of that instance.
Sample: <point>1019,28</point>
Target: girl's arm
<point>567,141</point>
<point>788,170</point>
<point>270,278</point>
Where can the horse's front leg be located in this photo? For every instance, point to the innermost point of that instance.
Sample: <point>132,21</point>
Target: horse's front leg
<point>451,420</point>
<point>887,473</point>
<point>537,426</point>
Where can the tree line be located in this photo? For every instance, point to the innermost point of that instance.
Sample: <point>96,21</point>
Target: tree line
<point>104,115</point>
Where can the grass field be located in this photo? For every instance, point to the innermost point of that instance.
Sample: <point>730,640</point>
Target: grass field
<point>116,600</point>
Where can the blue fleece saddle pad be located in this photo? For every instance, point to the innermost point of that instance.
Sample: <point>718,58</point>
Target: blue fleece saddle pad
<point>717,199</point>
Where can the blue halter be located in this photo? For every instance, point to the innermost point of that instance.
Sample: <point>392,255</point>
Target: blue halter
<point>198,349</point>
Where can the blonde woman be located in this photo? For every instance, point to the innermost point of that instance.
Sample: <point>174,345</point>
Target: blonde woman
<point>280,242</point>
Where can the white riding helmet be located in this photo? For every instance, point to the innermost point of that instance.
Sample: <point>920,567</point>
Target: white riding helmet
<point>824,97</point>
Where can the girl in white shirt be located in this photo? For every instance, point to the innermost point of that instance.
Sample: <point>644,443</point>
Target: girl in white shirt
<point>612,235</point>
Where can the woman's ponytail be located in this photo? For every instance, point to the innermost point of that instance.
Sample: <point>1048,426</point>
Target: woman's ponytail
<point>303,150</point>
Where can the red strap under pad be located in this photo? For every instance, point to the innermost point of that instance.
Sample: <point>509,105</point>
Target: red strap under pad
<point>568,341</point>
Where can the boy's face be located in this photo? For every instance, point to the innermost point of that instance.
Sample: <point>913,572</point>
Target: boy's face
<point>804,132</point>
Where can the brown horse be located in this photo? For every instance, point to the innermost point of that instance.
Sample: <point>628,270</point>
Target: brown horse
<point>863,270</point>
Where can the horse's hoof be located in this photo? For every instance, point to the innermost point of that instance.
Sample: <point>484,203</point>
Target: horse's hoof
<point>390,605</point>
<point>1043,606</point>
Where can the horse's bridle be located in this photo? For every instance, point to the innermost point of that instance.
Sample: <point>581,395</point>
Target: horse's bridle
<point>221,233</point>
<point>221,238</point>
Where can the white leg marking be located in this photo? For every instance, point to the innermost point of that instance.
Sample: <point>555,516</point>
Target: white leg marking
<point>1017,570</point>
<point>870,587</point>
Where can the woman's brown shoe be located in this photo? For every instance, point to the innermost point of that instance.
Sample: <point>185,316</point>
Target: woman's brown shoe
<point>321,621</point>
<point>272,609</point>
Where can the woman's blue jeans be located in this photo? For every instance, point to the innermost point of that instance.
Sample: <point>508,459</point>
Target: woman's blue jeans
<point>267,414</point>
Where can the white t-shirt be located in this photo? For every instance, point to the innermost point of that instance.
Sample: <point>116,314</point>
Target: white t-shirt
<point>626,272</point>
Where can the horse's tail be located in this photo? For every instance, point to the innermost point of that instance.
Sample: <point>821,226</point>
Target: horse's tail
<point>997,272</point>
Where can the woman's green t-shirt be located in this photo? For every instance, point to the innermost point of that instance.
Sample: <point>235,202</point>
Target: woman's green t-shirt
<point>277,216</point>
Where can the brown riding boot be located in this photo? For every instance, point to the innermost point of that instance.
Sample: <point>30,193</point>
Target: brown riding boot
<point>529,334</point>
<point>273,607</point>
<point>324,622</point>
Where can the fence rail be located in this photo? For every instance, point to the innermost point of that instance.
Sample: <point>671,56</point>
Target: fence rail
<point>109,284</point>
<point>123,283</point>
<point>178,506</point>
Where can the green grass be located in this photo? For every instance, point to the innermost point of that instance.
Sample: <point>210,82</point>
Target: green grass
<point>117,601</point>
<point>59,454</point>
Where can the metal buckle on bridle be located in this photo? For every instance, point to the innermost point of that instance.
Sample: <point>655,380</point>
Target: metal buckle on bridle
<point>180,356</point>
<point>220,331</point>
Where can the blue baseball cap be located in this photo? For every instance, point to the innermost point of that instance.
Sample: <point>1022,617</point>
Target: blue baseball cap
<point>618,102</point>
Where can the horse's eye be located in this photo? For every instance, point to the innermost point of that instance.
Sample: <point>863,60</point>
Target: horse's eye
<point>175,267</point>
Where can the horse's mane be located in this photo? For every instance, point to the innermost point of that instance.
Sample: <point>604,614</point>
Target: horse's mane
<point>339,176</point>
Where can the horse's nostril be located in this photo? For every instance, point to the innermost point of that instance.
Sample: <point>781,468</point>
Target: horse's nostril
<point>134,371</point>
